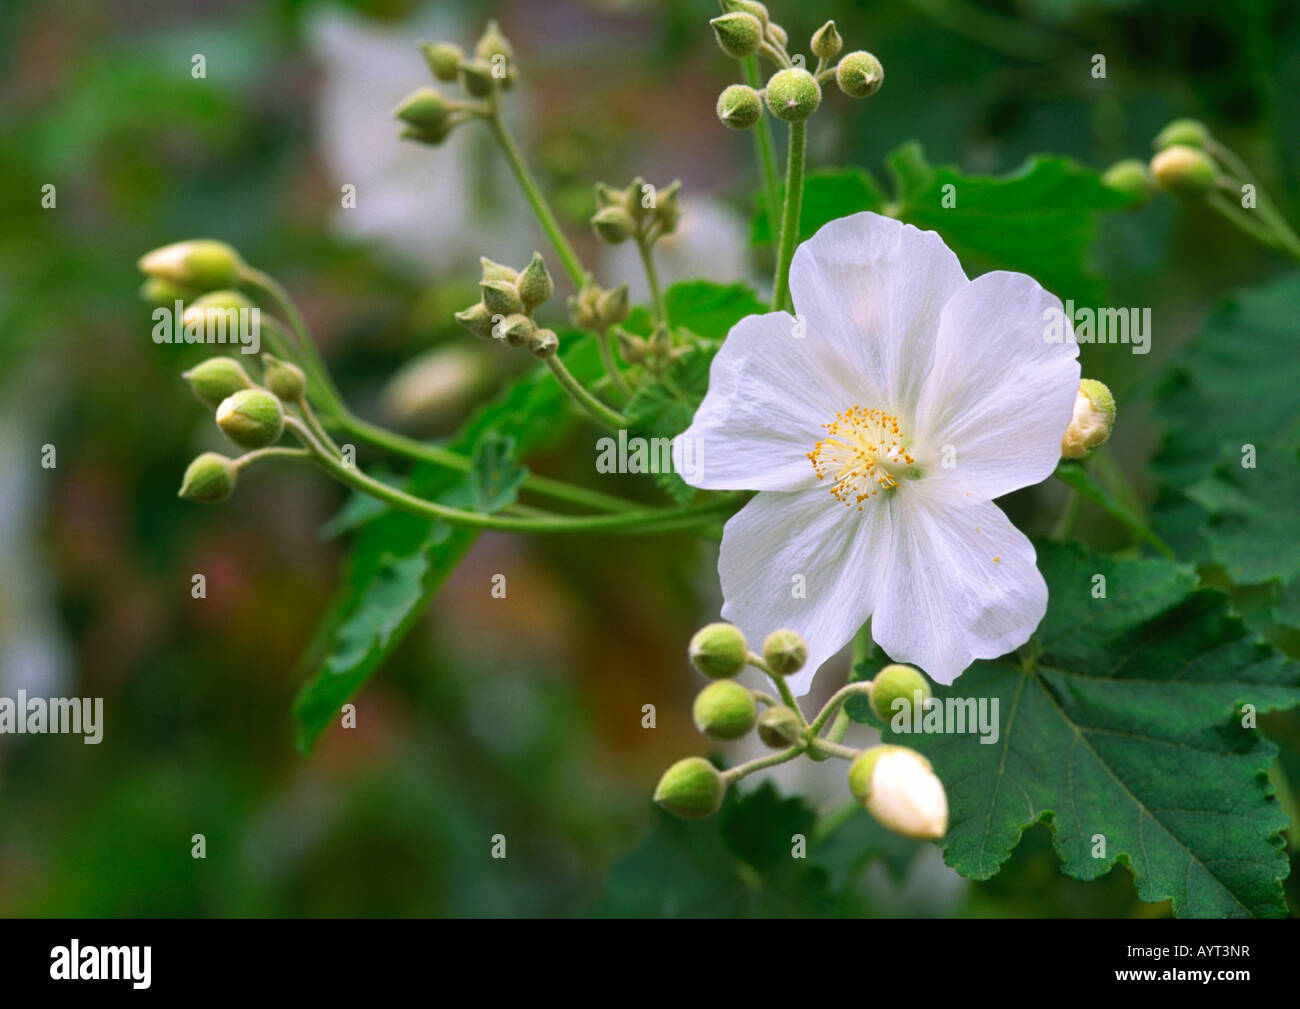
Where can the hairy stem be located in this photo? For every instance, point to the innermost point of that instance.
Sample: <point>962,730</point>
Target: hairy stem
<point>790,215</point>
<point>764,149</point>
<point>594,408</point>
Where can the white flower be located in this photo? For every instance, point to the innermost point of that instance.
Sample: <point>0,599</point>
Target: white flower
<point>878,427</point>
<point>901,791</point>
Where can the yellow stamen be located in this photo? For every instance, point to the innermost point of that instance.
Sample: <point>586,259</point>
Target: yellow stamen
<point>861,449</point>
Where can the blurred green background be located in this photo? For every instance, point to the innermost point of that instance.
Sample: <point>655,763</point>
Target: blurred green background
<point>519,717</point>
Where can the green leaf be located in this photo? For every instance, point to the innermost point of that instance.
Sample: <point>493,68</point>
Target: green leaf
<point>702,308</point>
<point>664,407</point>
<point>400,562</point>
<point>1121,723</point>
<point>1224,391</point>
<point>1072,474</point>
<point>1038,220</point>
<point>497,474</point>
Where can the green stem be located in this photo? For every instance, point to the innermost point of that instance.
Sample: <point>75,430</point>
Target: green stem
<point>764,149</point>
<point>1237,215</point>
<point>833,749</point>
<point>652,275</point>
<point>556,490</point>
<point>274,452</point>
<point>734,774</point>
<point>790,215</point>
<point>833,821</point>
<point>782,688</point>
<point>649,519</point>
<point>604,344</point>
<point>833,705</point>
<point>597,410</point>
<point>309,415</point>
<point>572,265</point>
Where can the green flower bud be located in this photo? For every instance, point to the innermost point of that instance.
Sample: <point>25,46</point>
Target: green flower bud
<point>425,109</point>
<point>493,43</point>
<point>634,349</point>
<point>785,652</point>
<point>612,225</point>
<point>633,199</point>
<point>477,319</point>
<point>793,95</point>
<point>544,343</point>
<point>517,330</point>
<point>284,378</point>
<point>719,650</point>
<point>1094,417</point>
<point>691,789</point>
<point>894,682</point>
<point>739,107</point>
<point>752,7</point>
<point>201,264</point>
<point>725,710</point>
<point>738,33</point>
<point>668,208</point>
<point>1131,178</point>
<point>217,314</point>
<point>899,788</point>
<point>430,136</point>
<point>476,77</point>
<point>582,307</point>
<point>859,75</point>
<point>778,727</point>
<point>209,478</point>
<point>609,196</point>
<point>777,34</point>
<point>1184,133</point>
<point>444,59</point>
<point>1184,171</point>
<point>501,297</point>
<point>497,271</point>
<point>163,293</point>
<point>826,42</point>
<point>612,307</point>
<point>251,418</point>
<point>535,284</point>
<point>216,379</point>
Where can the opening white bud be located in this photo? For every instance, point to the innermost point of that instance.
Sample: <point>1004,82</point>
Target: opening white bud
<point>1094,417</point>
<point>898,787</point>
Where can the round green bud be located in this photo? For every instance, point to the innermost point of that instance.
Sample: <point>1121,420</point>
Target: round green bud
<point>501,297</point>
<point>1184,171</point>
<point>497,271</point>
<point>477,319</point>
<point>163,293</point>
<point>719,650</point>
<point>544,343</point>
<point>444,59</point>
<point>725,710</point>
<point>612,225</point>
<point>859,75</point>
<point>424,108</point>
<point>793,95</point>
<point>739,107</point>
<point>1131,178</point>
<point>1183,132</point>
<point>251,418</point>
<point>778,727</point>
<point>284,378</point>
<point>432,136</point>
<point>785,652</point>
<point>895,682</point>
<point>826,42</point>
<point>201,263</point>
<point>535,284</point>
<point>218,315</point>
<point>691,789</point>
<point>738,33</point>
<point>517,330</point>
<point>215,379</point>
<point>209,478</point>
<point>777,34</point>
<point>1092,421</point>
<point>476,77</point>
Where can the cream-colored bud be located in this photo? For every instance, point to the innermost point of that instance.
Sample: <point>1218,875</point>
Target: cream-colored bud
<point>1094,417</point>
<point>899,788</point>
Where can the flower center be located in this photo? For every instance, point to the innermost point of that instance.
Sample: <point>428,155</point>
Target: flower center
<point>863,451</point>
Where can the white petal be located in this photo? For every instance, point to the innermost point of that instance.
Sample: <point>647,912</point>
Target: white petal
<point>875,289</point>
<point>962,585</point>
<point>999,392</point>
<point>906,796</point>
<point>806,562</point>
<point>769,393</point>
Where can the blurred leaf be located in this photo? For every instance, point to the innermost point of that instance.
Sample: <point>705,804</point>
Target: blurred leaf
<point>664,407</point>
<point>400,561</point>
<point>1120,721</point>
<point>827,194</point>
<point>702,308</point>
<point>497,474</point>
